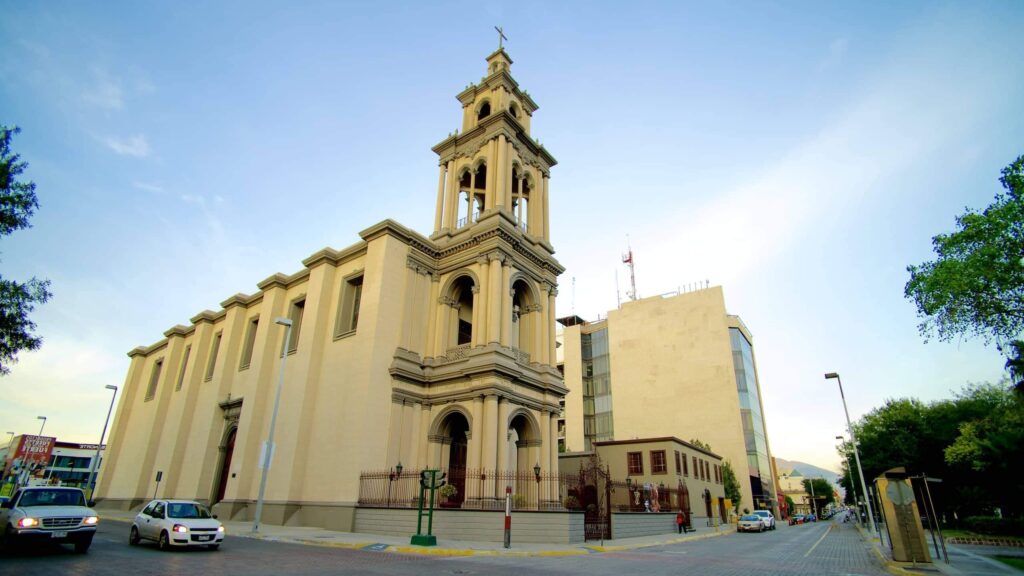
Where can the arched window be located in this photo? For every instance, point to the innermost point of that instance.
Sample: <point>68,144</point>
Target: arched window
<point>485,111</point>
<point>514,109</point>
<point>462,295</point>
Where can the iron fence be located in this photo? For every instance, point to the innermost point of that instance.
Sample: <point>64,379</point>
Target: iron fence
<point>473,489</point>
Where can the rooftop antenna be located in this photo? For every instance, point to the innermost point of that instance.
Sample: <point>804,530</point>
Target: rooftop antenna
<point>573,295</point>
<point>627,258</point>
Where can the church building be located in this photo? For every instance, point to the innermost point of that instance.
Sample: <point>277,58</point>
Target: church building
<point>424,352</point>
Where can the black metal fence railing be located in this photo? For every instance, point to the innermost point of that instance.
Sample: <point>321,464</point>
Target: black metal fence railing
<point>472,490</point>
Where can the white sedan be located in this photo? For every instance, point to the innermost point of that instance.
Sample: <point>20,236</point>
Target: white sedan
<point>172,523</point>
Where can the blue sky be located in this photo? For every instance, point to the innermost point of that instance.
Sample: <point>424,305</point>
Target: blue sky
<point>800,154</point>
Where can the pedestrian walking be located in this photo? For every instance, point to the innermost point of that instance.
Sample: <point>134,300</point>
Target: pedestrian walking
<point>681,522</point>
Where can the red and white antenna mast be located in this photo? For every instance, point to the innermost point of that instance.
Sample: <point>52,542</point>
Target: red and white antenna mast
<point>627,258</point>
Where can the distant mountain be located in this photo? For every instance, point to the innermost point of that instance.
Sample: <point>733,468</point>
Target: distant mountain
<point>807,470</point>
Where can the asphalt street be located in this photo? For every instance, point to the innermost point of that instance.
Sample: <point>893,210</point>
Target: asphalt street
<point>815,549</point>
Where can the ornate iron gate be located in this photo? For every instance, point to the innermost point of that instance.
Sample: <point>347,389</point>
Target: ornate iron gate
<point>594,491</point>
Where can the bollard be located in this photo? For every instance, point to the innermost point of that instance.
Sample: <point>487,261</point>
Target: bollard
<point>508,517</point>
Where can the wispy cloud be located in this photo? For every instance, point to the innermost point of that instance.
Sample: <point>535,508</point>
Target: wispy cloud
<point>104,92</point>
<point>134,146</point>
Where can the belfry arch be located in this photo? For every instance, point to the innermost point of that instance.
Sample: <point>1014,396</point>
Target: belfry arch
<point>457,313</point>
<point>526,317</point>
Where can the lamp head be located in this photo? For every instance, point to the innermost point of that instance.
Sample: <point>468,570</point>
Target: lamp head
<point>398,468</point>
<point>111,387</point>
<point>831,376</point>
<point>536,469</point>
<point>283,321</point>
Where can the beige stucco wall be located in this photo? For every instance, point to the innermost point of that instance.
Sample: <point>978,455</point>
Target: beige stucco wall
<point>672,374</point>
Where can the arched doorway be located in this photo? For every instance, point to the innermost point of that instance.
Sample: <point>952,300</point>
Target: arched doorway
<point>225,464</point>
<point>454,441</point>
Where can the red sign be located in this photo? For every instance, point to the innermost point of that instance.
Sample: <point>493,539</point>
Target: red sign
<point>35,449</point>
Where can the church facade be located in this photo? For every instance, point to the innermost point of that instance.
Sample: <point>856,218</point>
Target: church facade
<point>429,352</point>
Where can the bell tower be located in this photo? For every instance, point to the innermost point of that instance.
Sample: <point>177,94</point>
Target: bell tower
<point>493,165</point>
<point>477,368</point>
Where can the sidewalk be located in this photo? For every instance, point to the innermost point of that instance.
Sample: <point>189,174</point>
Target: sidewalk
<point>963,559</point>
<point>379,543</point>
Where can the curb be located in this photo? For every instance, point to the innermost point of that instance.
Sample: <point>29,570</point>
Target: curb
<point>464,552</point>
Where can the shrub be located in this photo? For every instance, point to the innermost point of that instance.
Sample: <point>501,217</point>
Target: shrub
<point>995,526</point>
<point>572,503</point>
<point>448,491</point>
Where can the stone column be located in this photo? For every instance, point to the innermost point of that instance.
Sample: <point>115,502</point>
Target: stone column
<point>481,330</point>
<point>550,325</point>
<point>423,458</point>
<point>506,303</point>
<point>544,456</point>
<point>492,164</point>
<point>553,448</point>
<point>451,198</point>
<point>489,441</point>
<point>494,299</point>
<point>502,432</point>
<point>430,345</point>
<point>500,173</point>
<point>440,198</point>
<point>475,319</point>
<point>411,456</point>
<point>545,209</point>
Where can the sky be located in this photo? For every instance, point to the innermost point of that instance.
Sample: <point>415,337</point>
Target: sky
<point>799,154</point>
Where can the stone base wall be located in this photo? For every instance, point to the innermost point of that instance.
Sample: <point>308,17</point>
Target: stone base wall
<point>476,525</point>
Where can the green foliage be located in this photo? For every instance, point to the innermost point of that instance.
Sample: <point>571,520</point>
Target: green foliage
<point>790,505</point>
<point>994,525</point>
<point>17,299</point>
<point>448,491</point>
<point>972,442</point>
<point>732,487</point>
<point>975,287</point>
<point>823,492</point>
<point>701,444</point>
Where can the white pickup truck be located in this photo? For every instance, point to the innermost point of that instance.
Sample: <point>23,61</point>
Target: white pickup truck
<point>48,514</point>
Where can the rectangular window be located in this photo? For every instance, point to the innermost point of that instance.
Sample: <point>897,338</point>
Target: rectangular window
<point>679,466</point>
<point>250,343</point>
<point>295,315</point>
<point>154,378</point>
<point>635,462</point>
<point>686,467</point>
<point>696,470</point>
<point>348,309</point>
<point>214,349</point>
<point>658,465</point>
<point>184,364</point>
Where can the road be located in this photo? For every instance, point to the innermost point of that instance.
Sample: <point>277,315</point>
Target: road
<point>815,549</point>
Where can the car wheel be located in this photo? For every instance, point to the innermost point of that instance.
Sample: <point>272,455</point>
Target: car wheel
<point>82,546</point>
<point>134,537</point>
<point>213,546</point>
<point>164,543</point>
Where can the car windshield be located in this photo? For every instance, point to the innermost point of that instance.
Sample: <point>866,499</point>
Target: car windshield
<point>762,513</point>
<point>52,498</point>
<point>750,518</point>
<point>187,510</point>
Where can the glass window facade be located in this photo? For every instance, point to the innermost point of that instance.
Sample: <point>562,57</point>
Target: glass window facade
<point>753,421</point>
<point>597,389</point>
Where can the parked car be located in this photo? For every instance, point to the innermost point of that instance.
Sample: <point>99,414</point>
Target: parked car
<point>810,518</point>
<point>172,523</point>
<point>750,523</point>
<point>48,514</point>
<point>767,518</point>
<point>796,519</point>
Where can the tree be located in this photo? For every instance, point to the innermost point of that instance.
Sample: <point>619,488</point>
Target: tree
<point>17,299</point>
<point>701,444</point>
<point>822,490</point>
<point>975,288</point>
<point>732,487</point>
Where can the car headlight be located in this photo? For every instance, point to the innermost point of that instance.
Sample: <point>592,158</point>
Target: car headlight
<point>90,520</point>
<point>220,528</point>
<point>180,528</point>
<point>28,522</point>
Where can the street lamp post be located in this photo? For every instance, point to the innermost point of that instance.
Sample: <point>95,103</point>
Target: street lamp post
<point>273,420</point>
<point>96,460</point>
<point>43,418</point>
<point>853,440</point>
<point>849,464</point>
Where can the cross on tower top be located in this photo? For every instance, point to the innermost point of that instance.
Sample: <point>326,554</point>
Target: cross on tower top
<point>501,36</point>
